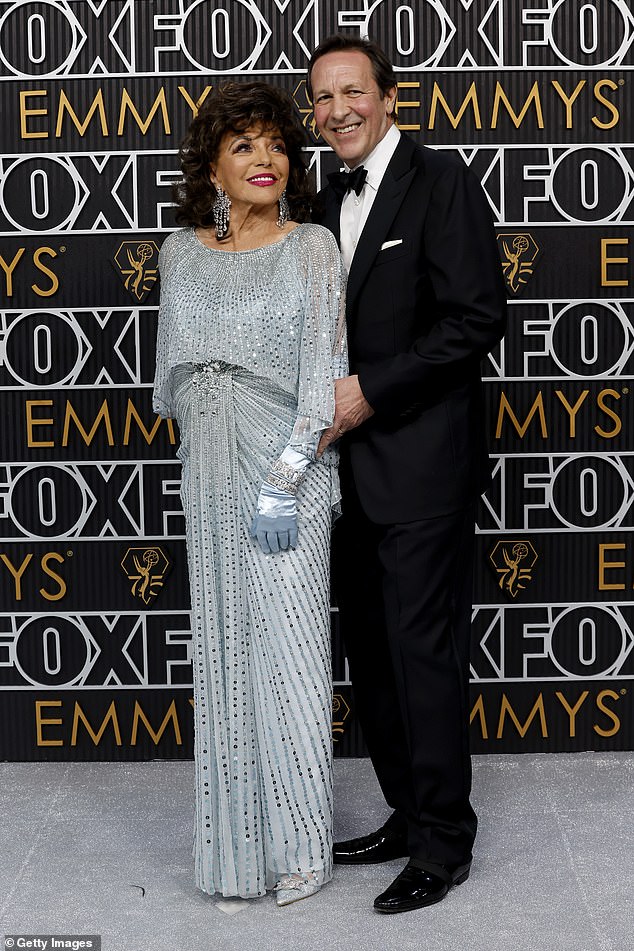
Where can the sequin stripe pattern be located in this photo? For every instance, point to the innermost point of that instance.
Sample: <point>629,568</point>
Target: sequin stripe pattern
<point>227,825</point>
<point>294,741</point>
<point>261,641</point>
<point>292,669</point>
<point>289,595</point>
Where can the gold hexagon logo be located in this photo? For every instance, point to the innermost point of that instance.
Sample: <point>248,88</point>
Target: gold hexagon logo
<point>146,568</point>
<point>137,264</point>
<point>519,252</point>
<point>340,713</point>
<point>514,562</point>
<point>305,108</point>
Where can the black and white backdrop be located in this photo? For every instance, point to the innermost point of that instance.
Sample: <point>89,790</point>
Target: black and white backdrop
<point>95,95</point>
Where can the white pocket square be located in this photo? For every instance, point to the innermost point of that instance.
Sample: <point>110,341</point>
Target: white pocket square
<point>391,244</point>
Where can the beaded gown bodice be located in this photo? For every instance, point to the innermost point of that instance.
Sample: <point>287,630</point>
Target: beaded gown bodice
<point>268,310</point>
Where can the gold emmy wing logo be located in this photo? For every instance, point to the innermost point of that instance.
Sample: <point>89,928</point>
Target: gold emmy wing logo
<point>514,562</point>
<point>137,264</point>
<point>305,109</point>
<point>146,568</point>
<point>518,253</point>
<point>340,713</point>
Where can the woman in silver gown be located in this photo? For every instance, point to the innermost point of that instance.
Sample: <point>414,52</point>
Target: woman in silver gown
<point>250,339</point>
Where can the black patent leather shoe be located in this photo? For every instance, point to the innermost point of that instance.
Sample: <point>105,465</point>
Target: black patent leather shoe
<point>384,845</point>
<point>416,887</point>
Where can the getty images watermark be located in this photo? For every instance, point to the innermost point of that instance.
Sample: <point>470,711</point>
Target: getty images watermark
<point>46,942</point>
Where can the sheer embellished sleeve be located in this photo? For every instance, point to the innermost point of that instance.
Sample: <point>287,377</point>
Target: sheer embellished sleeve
<point>162,398</point>
<point>323,355</point>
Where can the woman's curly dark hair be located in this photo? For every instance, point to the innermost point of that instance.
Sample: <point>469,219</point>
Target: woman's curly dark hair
<point>236,107</point>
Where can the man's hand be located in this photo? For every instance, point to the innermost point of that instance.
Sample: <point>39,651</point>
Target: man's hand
<point>351,409</point>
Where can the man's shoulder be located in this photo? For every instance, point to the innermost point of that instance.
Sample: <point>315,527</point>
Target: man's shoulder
<point>433,161</point>
<point>437,172</point>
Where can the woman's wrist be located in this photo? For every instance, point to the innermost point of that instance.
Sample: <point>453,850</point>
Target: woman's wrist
<point>288,471</point>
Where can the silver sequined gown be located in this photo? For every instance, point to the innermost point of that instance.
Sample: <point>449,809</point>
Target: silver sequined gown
<point>248,345</point>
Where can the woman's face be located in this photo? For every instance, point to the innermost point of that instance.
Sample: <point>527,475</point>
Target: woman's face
<point>252,166</point>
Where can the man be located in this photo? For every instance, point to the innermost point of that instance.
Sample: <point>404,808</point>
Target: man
<point>425,303</point>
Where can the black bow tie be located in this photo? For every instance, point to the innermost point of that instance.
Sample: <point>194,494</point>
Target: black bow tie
<point>346,181</point>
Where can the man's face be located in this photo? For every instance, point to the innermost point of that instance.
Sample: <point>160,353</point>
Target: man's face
<point>350,110</point>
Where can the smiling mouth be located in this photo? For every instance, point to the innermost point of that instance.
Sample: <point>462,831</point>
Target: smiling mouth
<point>347,129</point>
<point>262,180</point>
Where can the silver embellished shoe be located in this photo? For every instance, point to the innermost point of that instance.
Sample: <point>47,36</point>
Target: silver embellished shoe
<point>294,887</point>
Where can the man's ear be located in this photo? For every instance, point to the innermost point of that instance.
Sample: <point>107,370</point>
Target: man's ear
<point>391,101</point>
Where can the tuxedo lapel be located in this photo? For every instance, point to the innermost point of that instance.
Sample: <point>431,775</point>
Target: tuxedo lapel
<point>332,212</point>
<point>389,199</point>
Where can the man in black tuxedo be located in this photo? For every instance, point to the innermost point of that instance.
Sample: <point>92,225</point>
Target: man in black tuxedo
<point>425,304</point>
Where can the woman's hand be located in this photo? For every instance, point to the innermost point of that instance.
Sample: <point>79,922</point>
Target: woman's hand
<point>275,522</point>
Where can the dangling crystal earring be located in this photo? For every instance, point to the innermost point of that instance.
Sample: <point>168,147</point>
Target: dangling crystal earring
<point>221,208</point>
<point>282,218</point>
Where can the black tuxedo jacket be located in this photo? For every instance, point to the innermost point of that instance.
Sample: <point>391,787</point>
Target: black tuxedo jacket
<point>421,315</point>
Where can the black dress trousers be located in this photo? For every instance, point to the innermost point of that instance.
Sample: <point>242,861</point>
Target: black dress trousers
<point>404,594</point>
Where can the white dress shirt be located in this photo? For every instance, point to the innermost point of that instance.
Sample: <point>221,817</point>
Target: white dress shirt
<point>356,208</point>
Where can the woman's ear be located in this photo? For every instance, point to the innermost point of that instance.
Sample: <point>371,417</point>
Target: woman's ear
<point>213,177</point>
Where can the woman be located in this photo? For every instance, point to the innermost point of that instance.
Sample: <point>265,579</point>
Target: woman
<point>250,337</point>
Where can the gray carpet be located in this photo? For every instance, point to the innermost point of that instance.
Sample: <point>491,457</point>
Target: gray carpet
<point>104,848</point>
